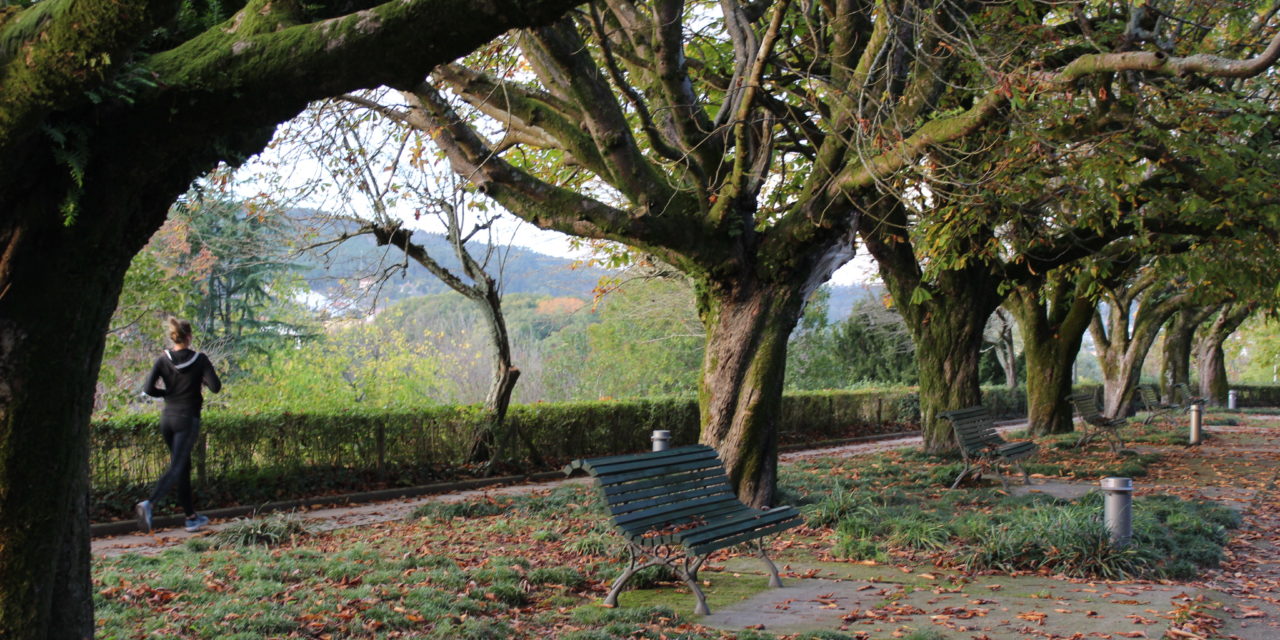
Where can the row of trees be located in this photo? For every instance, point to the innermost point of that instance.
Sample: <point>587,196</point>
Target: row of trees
<point>974,149</point>
<point>1035,153</point>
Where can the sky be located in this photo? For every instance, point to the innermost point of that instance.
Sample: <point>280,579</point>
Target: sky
<point>283,167</point>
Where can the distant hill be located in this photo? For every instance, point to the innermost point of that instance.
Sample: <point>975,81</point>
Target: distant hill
<point>354,265</point>
<point>843,297</point>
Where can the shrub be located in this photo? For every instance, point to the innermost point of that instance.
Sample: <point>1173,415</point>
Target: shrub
<point>917,532</point>
<point>1172,538</point>
<point>273,530</point>
<point>478,508</point>
<point>1070,540</point>
<point>252,458</point>
<point>835,507</point>
<point>593,544</point>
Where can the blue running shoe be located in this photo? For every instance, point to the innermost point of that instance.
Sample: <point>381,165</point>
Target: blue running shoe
<point>196,523</point>
<point>143,511</point>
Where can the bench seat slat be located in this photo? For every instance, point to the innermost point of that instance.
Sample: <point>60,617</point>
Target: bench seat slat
<point>644,530</point>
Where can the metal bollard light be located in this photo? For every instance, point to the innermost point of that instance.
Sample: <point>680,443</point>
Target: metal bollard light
<point>1196,420</point>
<point>661,440</point>
<point>1118,510</point>
<point>1232,397</point>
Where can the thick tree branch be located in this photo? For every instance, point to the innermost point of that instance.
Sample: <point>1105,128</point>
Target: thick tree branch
<point>688,117</point>
<point>627,168</point>
<point>325,57</point>
<point>54,53</point>
<point>542,204</point>
<point>945,130</point>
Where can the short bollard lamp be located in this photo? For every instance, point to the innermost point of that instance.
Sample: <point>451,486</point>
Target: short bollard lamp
<point>661,440</point>
<point>1197,418</point>
<point>1233,398</point>
<point>1118,510</point>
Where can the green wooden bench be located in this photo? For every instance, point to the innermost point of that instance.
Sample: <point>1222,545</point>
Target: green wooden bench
<point>1095,423</point>
<point>1183,390</point>
<point>675,508</point>
<point>1150,397</point>
<point>981,446</point>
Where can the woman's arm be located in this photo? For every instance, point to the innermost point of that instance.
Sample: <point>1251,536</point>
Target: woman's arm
<point>210,376</point>
<point>149,385</point>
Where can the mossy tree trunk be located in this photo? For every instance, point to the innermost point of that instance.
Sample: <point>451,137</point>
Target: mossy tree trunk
<point>1053,318</point>
<point>946,317</point>
<point>1135,312</point>
<point>46,368</point>
<point>1210,360</point>
<point>1179,339</point>
<point>743,366</point>
<point>104,121</point>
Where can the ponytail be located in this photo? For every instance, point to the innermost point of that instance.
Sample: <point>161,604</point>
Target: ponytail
<point>179,331</point>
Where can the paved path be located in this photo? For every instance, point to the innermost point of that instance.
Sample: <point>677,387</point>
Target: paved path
<point>890,602</point>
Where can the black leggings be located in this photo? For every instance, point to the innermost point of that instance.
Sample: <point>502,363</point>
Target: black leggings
<point>180,434</point>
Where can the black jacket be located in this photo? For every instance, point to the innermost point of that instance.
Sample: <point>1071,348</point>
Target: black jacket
<point>182,371</point>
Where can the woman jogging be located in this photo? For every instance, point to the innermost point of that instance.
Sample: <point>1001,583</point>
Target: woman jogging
<point>182,371</point>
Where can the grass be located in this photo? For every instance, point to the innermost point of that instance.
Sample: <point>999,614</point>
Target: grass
<point>535,567</point>
<point>892,509</point>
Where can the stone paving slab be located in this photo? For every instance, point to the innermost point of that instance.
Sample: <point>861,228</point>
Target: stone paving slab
<point>999,608</point>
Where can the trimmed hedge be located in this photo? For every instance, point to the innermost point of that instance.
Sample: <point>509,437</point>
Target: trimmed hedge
<point>262,457</point>
<point>1257,395</point>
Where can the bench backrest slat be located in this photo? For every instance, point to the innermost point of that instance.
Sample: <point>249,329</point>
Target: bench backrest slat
<point>624,465</point>
<point>1149,397</point>
<point>657,517</point>
<point>1087,406</point>
<point>974,428</point>
<point>618,490</point>
<point>623,507</point>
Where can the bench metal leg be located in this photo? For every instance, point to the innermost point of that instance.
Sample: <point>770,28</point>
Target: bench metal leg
<point>774,579</point>
<point>1026,477</point>
<point>690,574</point>
<point>963,472</point>
<point>633,565</point>
<point>996,468</point>
<point>1118,444</point>
<point>687,569</point>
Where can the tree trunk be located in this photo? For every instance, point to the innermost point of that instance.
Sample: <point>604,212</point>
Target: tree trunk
<point>1210,360</point>
<point>948,351</point>
<point>1053,321</point>
<point>1006,347</point>
<point>946,317</point>
<point>58,287</point>
<point>499,438</point>
<point>739,393</point>
<point>1178,344</point>
<point>1123,341</point>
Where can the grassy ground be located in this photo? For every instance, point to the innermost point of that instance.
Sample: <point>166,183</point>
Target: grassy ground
<point>536,567</point>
